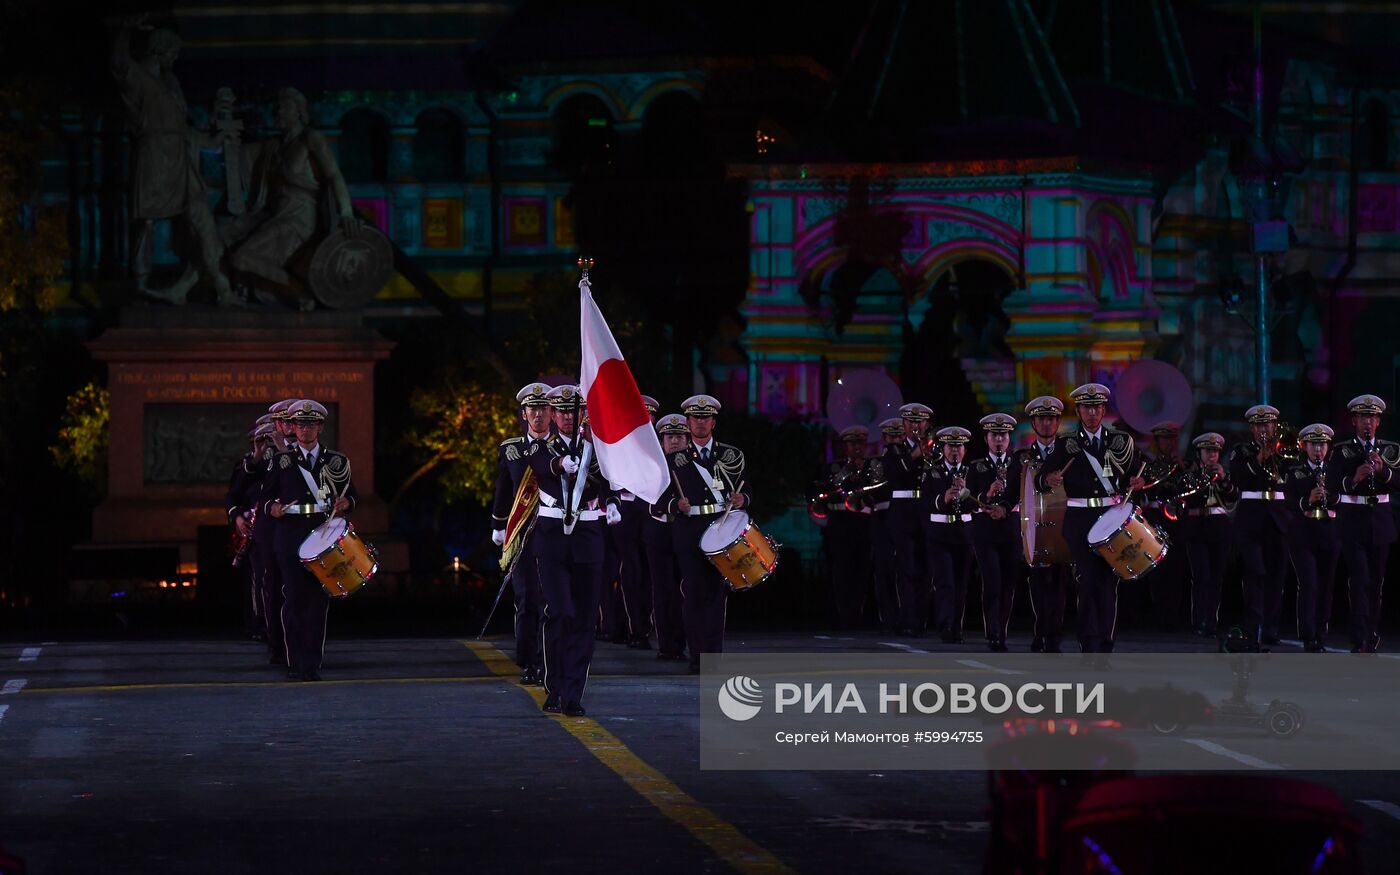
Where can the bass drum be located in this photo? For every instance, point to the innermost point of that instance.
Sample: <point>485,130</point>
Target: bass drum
<point>743,554</point>
<point>1128,543</point>
<point>1042,521</point>
<point>337,557</point>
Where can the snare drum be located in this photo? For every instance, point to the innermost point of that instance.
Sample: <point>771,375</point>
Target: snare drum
<point>744,555</point>
<point>1130,544</point>
<point>338,558</point>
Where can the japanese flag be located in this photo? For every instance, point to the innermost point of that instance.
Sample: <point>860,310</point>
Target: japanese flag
<point>628,451</point>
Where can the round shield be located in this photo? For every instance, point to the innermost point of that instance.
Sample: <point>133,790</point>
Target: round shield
<point>347,272</point>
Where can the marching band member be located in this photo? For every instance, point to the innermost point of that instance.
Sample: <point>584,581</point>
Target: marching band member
<point>1312,540</point>
<point>632,574</point>
<point>267,570</point>
<point>1095,465</point>
<point>1206,530</point>
<point>661,554</point>
<point>241,503</point>
<point>996,526</point>
<point>512,460</point>
<point>904,464</point>
<point>1362,474</point>
<point>575,499</point>
<point>882,550</point>
<point>947,531</point>
<point>849,481</point>
<point>706,480</point>
<point>1049,584</point>
<point>1261,519</point>
<point>299,497</point>
<point>1167,584</point>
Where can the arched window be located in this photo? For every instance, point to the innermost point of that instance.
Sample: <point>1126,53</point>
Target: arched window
<point>364,146</point>
<point>437,147</point>
<point>585,141</point>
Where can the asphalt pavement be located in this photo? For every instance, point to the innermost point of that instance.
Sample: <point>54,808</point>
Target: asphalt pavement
<point>424,755</point>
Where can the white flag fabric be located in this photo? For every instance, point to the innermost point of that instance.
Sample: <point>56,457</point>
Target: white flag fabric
<point>624,440</point>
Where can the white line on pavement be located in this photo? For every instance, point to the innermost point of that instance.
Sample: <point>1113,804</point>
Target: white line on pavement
<point>1381,805</point>
<point>12,687</point>
<point>29,654</point>
<point>897,645</point>
<point>1243,758</point>
<point>977,663</point>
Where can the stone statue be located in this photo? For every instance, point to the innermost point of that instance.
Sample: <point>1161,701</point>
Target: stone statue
<point>290,177</point>
<point>165,178</point>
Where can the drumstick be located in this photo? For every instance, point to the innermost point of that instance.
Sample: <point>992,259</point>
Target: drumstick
<point>730,507</point>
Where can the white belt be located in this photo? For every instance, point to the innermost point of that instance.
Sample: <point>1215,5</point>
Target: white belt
<point>1263,496</point>
<point>1106,501</point>
<point>1207,511</point>
<point>905,493</point>
<point>881,505</point>
<point>627,496</point>
<point>1013,509</point>
<point>557,513</point>
<point>950,517</point>
<point>1364,499</point>
<point>704,509</point>
<point>318,507</point>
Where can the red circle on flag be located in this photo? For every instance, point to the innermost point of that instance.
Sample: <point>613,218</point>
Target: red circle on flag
<point>615,406</point>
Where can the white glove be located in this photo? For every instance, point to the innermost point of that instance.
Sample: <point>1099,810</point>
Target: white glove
<point>498,536</point>
<point>614,515</point>
<point>569,464</point>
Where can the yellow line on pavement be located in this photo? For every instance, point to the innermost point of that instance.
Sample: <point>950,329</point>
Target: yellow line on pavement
<point>722,837</point>
<point>210,685</point>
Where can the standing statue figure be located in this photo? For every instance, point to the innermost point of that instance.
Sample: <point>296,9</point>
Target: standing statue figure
<point>165,178</point>
<point>289,177</point>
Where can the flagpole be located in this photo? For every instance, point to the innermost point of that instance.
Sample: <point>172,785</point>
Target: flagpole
<point>584,286</point>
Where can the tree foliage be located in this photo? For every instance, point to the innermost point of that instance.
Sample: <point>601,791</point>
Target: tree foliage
<point>458,424</point>
<point>82,438</point>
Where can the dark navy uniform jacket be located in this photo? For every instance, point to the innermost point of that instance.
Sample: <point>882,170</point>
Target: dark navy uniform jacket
<point>1117,455</point>
<point>1249,476</point>
<point>1363,523</point>
<point>1313,524</point>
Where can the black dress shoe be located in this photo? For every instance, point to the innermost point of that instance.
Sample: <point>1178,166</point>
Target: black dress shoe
<point>1053,647</point>
<point>311,676</point>
<point>277,659</point>
<point>1037,645</point>
<point>293,674</point>
<point>951,637</point>
<point>1001,646</point>
<point>574,709</point>
<point>538,679</point>
<point>641,642</point>
<point>551,705</point>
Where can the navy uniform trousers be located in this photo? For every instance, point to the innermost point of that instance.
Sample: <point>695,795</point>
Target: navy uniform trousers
<point>305,602</point>
<point>267,583</point>
<point>665,585</point>
<point>525,588</point>
<point>570,567</point>
<point>949,548</point>
<point>885,567</point>
<point>1000,560</point>
<point>1049,588</point>
<point>704,591</point>
<point>904,525</point>
<point>633,575</point>
<point>1207,538</point>
<point>1098,585</point>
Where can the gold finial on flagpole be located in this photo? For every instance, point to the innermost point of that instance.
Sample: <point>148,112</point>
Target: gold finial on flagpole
<point>585,264</point>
